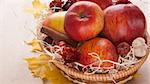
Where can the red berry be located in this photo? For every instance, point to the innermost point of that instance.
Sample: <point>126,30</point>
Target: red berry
<point>61,43</point>
<point>56,3</point>
<point>69,54</point>
<point>123,48</point>
<point>68,4</point>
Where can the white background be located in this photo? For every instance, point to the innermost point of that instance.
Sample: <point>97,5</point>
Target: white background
<point>14,30</point>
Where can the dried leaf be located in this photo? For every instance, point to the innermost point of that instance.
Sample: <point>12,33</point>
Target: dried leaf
<point>37,8</point>
<point>40,67</point>
<point>36,46</point>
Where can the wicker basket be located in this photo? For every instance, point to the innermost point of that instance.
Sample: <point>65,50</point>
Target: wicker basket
<point>119,77</point>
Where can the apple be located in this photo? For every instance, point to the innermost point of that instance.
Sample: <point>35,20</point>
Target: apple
<point>104,49</point>
<point>102,3</point>
<point>124,23</point>
<point>84,20</point>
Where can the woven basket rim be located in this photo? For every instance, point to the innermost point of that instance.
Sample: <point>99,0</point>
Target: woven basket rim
<point>100,77</point>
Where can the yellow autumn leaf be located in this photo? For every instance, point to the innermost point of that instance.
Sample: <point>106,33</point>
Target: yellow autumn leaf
<point>37,4</point>
<point>36,46</point>
<point>40,67</point>
<point>37,8</point>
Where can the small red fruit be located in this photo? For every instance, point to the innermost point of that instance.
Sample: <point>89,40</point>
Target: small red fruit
<point>102,3</point>
<point>68,53</point>
<point>56,3</point>
<point>123,48</point>
<point>103,47</point>
<point>68,4</point>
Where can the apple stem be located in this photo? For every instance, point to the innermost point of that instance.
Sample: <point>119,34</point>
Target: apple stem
<point>82,15</point>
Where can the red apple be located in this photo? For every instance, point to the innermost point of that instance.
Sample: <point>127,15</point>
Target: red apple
<point>102,3</point>
<point>103,47</point>
<point>124,23</point>
<point>84,20</point>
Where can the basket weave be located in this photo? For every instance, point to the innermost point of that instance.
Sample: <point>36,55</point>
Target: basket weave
<point>119,77</point>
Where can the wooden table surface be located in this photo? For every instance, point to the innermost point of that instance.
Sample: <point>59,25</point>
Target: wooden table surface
<point>14,30</point>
